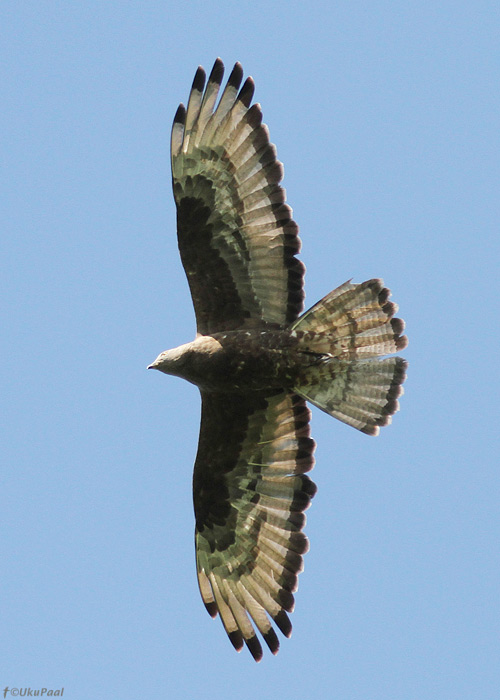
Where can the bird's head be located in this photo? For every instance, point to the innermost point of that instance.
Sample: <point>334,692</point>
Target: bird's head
<point>171,361</point>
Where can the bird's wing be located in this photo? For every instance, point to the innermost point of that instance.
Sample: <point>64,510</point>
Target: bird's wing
<point>250,492</point>
<point>237,238</point>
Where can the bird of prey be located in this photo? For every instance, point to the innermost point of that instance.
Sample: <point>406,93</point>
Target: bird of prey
<point>257,359</point>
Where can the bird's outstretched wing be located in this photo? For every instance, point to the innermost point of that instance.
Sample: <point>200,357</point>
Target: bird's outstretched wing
<point>237,238</point>
<point>250,491</point>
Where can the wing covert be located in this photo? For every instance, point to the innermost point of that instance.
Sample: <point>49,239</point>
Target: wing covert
<point>237,239</point>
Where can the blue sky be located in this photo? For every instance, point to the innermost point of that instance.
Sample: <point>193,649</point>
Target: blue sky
<point>386,116</point>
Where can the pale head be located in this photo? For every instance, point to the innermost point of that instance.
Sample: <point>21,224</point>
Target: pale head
<point>171,361</point>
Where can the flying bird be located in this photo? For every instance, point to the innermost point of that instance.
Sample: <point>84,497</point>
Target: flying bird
<point>257,359</point>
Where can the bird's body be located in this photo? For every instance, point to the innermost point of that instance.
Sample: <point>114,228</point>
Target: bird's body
<point>257,359</point>
<point>241,361</point>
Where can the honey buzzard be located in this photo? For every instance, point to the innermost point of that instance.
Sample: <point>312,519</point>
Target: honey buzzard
<point>256,359</point>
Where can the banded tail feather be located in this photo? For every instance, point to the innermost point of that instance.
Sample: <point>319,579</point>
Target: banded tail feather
<point>348,330</point>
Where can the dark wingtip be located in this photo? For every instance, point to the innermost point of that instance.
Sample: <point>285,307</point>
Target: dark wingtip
<point>180,115</point>
<point>254,647</point>
<point>236,639</point>
<point>211,609</point>
<point>236,76</point>
<point>283,623</point>
<point>271,640</point>
<point>217,72</point>
<point>246,92</point>
<point>199,79</point>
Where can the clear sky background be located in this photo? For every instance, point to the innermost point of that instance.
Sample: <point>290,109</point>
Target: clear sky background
<point>386,116</point>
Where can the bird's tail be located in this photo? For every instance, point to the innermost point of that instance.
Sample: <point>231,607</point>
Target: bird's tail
<point>343,334</point>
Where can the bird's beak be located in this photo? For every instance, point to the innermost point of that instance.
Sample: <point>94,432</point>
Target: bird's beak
<point>156,363</point>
